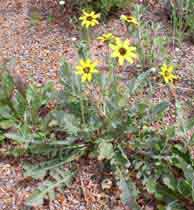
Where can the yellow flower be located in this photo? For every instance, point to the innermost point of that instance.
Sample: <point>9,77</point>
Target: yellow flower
<point>86,69</point>
<point>129,19</point>
<point>106,37</point>
<point>123,51</point>
<point>89,19</point>
<point>167,73</point>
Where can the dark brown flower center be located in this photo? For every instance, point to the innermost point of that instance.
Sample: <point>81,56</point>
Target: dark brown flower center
<point>86,70</point>
<point>89,18</point>
<point>122,51</point>
<point>166,74</point>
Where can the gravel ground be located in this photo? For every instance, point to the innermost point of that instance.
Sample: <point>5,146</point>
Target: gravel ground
<point>38,46</point>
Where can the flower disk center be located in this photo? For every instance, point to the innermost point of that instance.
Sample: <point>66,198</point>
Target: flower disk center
<point>89,18</point>
<point>86,70</point>
<point>122,51</point>
<point>166,74</point>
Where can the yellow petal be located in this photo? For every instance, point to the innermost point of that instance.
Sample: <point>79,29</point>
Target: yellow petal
<point>170,68</point>
<point>85,13</point>
<point>84,77</point>
<point>89,77</point>
<point>121,61</point>
<point>115,54</point>
<point>113,46</point>
<point>79,72</point>
<point>126,43</point>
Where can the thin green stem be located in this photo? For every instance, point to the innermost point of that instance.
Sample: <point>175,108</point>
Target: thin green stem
<point>88,37</point>
<point>82,111</point>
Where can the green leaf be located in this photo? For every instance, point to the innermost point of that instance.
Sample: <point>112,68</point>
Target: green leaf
<point>5,112</point>
<point>5,124</point>
<point>151,185</point>
<point>187,169</point>
<point>174,205</point>
<point>190,124</point>
<point>40,170</point>
<point>67,122</point>
<point>36,198</point>
<point>192,185</point>
<point>170,181</point>
<point>181,123</point>
<point>170,131</point>
<point>128,193</point>
<point>48,187</point>
<point>140,81</point>
<point>159,108</point>
<point>18,138</point>
<point>7,84</point>
<point>32,96</point>
<point>105,150</point>
<point>2,137</point>
<point>20,104</point>
<point>121,157</point>
<point>184,187</point>
<point>65,71</point>
<point>191,142</point>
